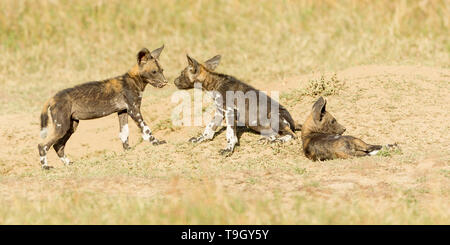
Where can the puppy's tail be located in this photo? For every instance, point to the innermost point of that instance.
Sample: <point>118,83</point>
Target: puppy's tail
<point>44,118</point>
<point>292,124</point>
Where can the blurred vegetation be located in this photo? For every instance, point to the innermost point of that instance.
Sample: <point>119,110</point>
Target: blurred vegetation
<point>48,45</point>
<point>268,37</point>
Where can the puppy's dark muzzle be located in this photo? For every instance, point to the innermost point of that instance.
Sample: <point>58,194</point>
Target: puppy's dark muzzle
<point>159,83</point>
<point>181,85</point>
<point>177,82</point>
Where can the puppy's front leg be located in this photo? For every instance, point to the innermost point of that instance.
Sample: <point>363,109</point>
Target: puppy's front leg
<point>210,130</point>
<point>135,114</point>
<point>232,139</point>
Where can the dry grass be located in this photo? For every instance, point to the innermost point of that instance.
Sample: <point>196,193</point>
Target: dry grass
<point>314,88</point>
<point>392,56</point>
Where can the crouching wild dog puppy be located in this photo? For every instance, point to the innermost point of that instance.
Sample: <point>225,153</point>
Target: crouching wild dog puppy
<point>322,137</point>
<point>121,95</point>
<point>239,103</point>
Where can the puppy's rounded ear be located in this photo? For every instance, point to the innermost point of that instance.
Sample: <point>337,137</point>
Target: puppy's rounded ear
<point>143,56</point>
<point>155,53</point>
<point>319,109</point>
<point>192,62</point>
<point>213,62</point>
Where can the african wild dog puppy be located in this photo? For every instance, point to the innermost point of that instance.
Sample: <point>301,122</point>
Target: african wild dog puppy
<point>236,114</point>
<point>121,95</point>
<point>322,137</point>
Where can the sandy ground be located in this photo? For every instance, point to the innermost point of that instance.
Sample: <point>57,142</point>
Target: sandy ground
<point>380,104</point>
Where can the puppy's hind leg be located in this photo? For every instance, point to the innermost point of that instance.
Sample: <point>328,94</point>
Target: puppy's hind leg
<point>61,125</point>
<point>388,147</point>
<point>365,148</point>
<point>267,135</point>
<point>374,149</point>
<point>286,132</point>
<point>61,143</point>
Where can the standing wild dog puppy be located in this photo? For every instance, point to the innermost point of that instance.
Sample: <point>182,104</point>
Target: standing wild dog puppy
<point>322,137</point>
<point>121,95</point>
<point>239,103</point>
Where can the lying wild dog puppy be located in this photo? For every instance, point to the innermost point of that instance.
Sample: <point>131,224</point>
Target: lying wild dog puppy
<point>122,94</point>
<point>322,137</point>
<point>239,103</point>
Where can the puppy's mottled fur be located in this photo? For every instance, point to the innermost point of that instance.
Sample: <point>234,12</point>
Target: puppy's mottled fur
<point>121,95</point>
<point>221,85</point>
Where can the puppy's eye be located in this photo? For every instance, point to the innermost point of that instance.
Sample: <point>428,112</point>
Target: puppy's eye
<point>153,72</point>
<point>333,121</point>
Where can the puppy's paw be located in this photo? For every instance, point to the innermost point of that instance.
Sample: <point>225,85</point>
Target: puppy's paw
<point>270,140</point>
<point>198,139</point>
<point>277,142</point>
<point>158,142</point>
<point>263,141</point>
<point>226,152</point>
<point>126,147</point>
<point>46,167</point>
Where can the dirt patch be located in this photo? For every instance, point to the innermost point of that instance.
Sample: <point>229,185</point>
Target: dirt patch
<point>380,104</point>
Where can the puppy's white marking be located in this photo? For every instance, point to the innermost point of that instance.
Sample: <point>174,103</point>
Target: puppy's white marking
<point>337,136</point>
<point>58,125</point>
<point>373,152</point>
<point>124,133</point>
<point>231,137</point>
<point>44,161</point>
<point>286,138</point>
<point>209,133</point>
<point>43,158</point>
<point>146,133</point>
<point>44,132</point>
<point>65,160</point>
